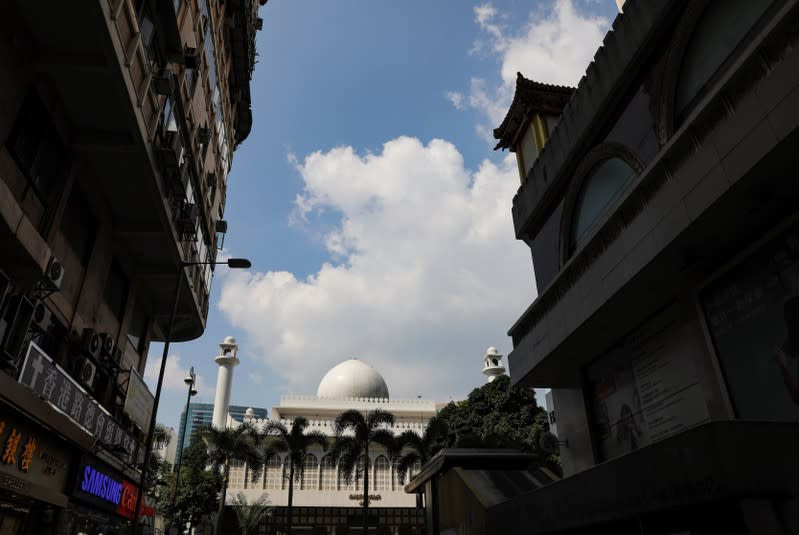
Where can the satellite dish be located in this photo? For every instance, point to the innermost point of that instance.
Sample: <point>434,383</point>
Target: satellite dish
<point>549,443</point>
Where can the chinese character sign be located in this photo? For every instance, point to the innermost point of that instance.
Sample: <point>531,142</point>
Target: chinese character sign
<point>54,385</point>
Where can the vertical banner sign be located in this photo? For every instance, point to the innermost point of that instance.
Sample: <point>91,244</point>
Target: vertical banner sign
<point>139,401</point>
<point>54,385</point>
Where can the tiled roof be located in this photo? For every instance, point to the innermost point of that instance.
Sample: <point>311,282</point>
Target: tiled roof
<point>530,96</point>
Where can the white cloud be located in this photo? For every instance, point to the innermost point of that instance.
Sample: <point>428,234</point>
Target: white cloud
<point>173,376</point>
<point>555,47</point>
<point>431,274</point>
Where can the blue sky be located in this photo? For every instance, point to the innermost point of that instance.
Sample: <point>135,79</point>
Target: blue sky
<point>368,197</point>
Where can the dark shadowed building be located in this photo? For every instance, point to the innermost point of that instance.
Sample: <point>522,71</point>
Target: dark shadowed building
<point>659,200</point>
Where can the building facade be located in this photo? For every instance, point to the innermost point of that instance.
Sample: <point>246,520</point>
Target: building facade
<point>658,199</point>
<point>323,502</point>
<point>118,123</point>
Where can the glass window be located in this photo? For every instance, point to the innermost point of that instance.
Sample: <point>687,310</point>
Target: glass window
<point>603,185</point>
<point>328,473</point>
<point>273,473</point>
<point>310,472</point>
<point>723,26</point>
<point>364,465</point>
<point>236,477</point>
<point>382,474</point>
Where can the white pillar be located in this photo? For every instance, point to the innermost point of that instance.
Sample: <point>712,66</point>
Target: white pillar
<point>226,360</point>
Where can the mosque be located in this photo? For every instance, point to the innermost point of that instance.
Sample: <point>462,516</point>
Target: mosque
<point>323,503</point>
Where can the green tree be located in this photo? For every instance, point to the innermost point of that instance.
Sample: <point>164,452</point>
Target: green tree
<point>497,415</point>
<point>251,515</point>
<point>419,449</point>
<point>199,487</point>
<point>348,449</point>
<point>153,486</point>
<point>296,442</point>
<point>225,445</point>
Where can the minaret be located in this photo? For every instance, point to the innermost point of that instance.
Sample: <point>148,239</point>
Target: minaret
<point>227,360</point>
<point>492,364</point>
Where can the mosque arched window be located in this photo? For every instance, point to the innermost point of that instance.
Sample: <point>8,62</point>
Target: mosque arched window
<point>328,473</point>
<point>382,473</point>
<point>310,473</point>
<point>601,187</point>
<point>236,474</point>
<point>273,473</point>
<point>364,465</point>
<point>722,27</point>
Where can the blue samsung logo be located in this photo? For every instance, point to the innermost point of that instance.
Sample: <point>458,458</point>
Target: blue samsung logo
<point>98,484</point>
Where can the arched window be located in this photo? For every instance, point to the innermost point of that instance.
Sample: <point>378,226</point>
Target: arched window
<point>382,473</point>
<point>328,473</point>
<point>364,465</point>
<point>343,485</point>
<point>273,473</point>
<point>310,473</point>
<point>722,27</point>
<point>236,475</point>
<point>602,186</point>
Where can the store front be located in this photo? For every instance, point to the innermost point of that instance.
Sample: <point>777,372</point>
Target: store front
<point>34,468</point>
<point>102,500</point>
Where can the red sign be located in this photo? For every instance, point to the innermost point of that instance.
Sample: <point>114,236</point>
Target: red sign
<point>127,503</point>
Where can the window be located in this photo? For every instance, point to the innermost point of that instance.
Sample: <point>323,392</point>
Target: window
<point>36,146</point>
<point>328,473</point>
<point>723,26</point>
<point>603,185</point>
<point>273,472</point>
<point>382,474</point>
<point>137,331</point>
<point>116,290</point>
<point>236,477</point>
<point>364,465</point>
<point>310,473</point>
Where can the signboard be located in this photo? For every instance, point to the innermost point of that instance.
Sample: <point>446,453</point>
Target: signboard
<point>55,386</point>
<point>752,313</point>
<point>101,486</point>
<point>647,388</point>
<point>139,401</point>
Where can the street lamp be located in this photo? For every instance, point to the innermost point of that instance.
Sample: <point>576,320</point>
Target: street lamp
<point>234,263</point>
<point>190,381</point>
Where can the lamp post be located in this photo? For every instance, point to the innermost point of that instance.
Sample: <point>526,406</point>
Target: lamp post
<point>190,381</point>
<point>234,263</point>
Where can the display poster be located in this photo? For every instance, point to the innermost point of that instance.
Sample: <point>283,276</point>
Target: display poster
<point>138,401</point>
<point>54,385</point>
<point>752,314</point>
<point>646,388</point>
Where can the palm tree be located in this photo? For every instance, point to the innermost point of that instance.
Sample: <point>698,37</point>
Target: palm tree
<point>348,449</point>
<point>421,448</point>
<point>225,445</point>
<point>250,515</point>
<point>296,442</point>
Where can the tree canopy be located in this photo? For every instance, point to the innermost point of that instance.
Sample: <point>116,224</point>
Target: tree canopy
<point>496,415</point>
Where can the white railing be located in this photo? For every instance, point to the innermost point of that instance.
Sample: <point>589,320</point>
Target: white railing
<point>328,428</point>
<point>311,401</point>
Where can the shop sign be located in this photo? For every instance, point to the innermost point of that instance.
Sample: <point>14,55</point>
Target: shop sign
<point>28,452</point>
<point>138,401</point>
<point>55,386</point>
<point>105,488</point>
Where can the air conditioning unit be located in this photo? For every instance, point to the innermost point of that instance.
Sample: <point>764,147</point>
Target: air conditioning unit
<point>204,135</point>
<point>54,274</point>
<point>15,324</point>
<point>91,343</point>
<point>187,220</point>
<point>163,83</point>
<point>191,58</point>
<point>87,373</point>
<point>171,150</point>
<point>107,345</point>
<point>41,317</point>
<point>178,180</point>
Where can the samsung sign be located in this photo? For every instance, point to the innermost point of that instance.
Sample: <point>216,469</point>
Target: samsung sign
<point>101,485</point>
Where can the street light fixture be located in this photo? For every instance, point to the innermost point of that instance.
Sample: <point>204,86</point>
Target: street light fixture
<point>233,263</point>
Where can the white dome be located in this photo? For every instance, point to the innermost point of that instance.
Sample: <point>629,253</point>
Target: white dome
<point>352,378</point>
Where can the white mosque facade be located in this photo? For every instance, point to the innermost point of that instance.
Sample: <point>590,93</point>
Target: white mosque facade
<point>323,503</point>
